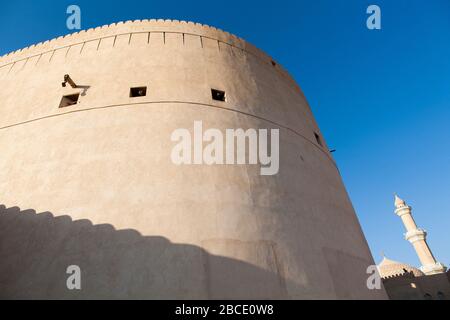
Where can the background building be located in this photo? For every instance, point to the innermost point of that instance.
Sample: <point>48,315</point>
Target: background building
<point>86,177</point>
<point>402,281</point>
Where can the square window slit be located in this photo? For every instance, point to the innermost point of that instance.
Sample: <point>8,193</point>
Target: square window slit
<point>69,100</point>
<point>218,95</point>
<point>318,139</point>
<point>138,92</point>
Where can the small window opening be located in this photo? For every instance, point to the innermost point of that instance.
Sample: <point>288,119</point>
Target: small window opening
<point>138,92</point>
<point>218,95</point>
<point>318,139</point>
<point>69,100</point>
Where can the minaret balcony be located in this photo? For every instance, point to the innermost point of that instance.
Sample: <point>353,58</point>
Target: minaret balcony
<point>416,235</point>
<point>402,210</point>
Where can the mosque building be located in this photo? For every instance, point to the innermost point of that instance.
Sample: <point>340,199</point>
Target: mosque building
<point>402,281</point>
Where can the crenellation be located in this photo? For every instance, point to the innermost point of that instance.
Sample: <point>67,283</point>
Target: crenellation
<point>237,52</point>
<point>107,43</point>
<point>210,44</point>
<point>32,61</point>
<point>91,45</point>
<point>139,38</point>
<point>44,58</point>
<point>156,38</point>
<point>101,37</point>
<point>191,41</point>
<point>174,39</point>
<point>225,48</point>
<point>74,50</point>
<point>122,40</point>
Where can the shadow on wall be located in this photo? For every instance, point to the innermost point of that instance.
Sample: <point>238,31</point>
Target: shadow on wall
<point>36,249</point>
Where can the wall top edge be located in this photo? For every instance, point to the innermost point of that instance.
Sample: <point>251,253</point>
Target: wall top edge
<point>137,26</point>
<point>129,26</point>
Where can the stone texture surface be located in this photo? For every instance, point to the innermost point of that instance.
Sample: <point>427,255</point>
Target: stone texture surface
<point>93,184</point>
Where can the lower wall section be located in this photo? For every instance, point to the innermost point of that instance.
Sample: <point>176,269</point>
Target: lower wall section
<point>36,250</point>
<point>140,226</point>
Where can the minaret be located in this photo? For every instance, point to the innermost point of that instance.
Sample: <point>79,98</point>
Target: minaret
<point>417,237</point>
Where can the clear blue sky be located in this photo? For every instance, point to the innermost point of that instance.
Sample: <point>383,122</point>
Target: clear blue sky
<point>381,98</point>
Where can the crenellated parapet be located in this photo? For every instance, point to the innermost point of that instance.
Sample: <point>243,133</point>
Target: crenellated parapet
<point>153,30</point>
<point>135,26</point>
